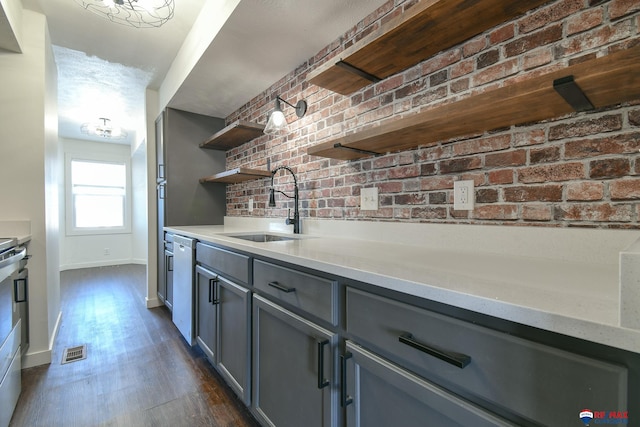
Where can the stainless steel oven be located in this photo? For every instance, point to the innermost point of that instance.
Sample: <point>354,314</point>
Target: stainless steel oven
<point>11,258</point>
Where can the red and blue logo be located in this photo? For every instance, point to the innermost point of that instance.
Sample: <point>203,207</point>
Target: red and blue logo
<point>604,417</point>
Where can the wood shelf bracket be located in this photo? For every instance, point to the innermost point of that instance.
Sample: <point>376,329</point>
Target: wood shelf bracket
<point>572,93</point>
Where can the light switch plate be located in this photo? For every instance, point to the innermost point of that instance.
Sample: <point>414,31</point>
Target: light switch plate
<point>250,205</point>
<point>369,199</point>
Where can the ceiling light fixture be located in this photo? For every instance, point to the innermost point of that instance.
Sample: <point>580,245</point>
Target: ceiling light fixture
<point>277,121</point>
<point>103,129</point>
<point>135,13</point>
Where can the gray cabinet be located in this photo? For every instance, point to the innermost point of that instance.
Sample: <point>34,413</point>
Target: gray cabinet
<point>223,327</point>
<point>527,380</point>
<point>165,278</point>
<point>294,381</point>
<point>180,163</point>
<point>381,394</point>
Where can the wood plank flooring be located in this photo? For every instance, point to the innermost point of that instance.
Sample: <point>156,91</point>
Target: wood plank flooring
<point>138,371</point>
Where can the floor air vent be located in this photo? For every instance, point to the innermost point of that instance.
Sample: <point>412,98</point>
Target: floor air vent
<point>73,354</point>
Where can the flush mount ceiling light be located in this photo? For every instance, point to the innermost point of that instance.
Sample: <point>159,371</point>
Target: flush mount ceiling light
<point>277,121</point>
<point>135,13</point>
<point>103,129</point>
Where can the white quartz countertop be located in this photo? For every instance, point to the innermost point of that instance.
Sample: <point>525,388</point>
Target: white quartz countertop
<point>568,296</point>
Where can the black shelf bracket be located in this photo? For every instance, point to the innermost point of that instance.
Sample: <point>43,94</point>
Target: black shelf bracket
<point>359,150</point>
<point>571,92</point>
<point>358,71</point>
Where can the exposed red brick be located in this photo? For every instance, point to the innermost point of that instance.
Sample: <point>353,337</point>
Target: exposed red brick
<point>536,212</point>
<point>509,158</point>
<point>634,117</point>
<point>534,40</point>
<point>532,137</point>
<point>496,72</point>
<point>625,189</point>
<point>409,199</point>
<point>460,165</point>
<point>620,8</point>
<point>486,195</point>
<point>474,46</point>
<point>533,193</point>
<point>585,191</point>
<point>593,39</point>
<point>584,21</point>
<point>503,33</point>
<point>609,168</point>
<point>617,144</point>
<point>436,183</point>
<point>428,169</point>
<point>537,58</point>
<point>462,68</point>
<point>592,126</point>
<point>404,172</point>
<point>430,212</point>
<point>555,172</point>
<point>551,13</point>
<point>410,89</point>
<point>459,85</point>
<point>487,58</point>
<point>599,212</point>
<point>390,187</point>
<point>544,155</point>
<point>503,176</point>
<point>482,145</point>
<point>441,61</point>
<point>438,198</point>
<point>494,211</point>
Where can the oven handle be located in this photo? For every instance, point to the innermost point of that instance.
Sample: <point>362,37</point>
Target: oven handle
<point>13,258</point>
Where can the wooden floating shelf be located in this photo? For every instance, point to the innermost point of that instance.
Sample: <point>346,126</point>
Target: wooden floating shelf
<point>236,175</point>
<point>237,133</point>
<point>426,28</point>
<point>605,81</point>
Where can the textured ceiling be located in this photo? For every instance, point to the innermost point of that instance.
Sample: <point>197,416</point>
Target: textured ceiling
<point>104,67</point>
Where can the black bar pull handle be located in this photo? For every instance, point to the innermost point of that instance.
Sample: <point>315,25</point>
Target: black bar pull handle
<point>210,290</point>
<point>16,291</point>
<point>456,359</point>
<point>322,381</point>
<point>281,287</point>
<point>213,282</point>
<point>345,399</point>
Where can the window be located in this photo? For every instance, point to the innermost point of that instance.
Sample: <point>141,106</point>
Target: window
<point>97,196</point>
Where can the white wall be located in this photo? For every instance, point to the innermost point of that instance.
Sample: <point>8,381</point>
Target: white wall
<point>123,248</point>
<point>28,172</point>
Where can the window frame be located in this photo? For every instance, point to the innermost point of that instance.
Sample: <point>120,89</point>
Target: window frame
<point>71,229</point>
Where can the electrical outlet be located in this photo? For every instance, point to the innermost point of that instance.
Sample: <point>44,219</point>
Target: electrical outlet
<point>369,199</point>
<point>463,195</point>
<point>250,206</point>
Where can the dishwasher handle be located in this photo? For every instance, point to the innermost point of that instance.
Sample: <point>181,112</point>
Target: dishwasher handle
<point>14,257</point>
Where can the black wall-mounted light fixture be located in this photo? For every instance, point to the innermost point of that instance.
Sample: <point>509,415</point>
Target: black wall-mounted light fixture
<point>277,120</point>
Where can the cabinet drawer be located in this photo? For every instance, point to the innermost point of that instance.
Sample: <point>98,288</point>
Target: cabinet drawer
<point>530,380</point>
<point>227,263</point>
<point>312,294</point>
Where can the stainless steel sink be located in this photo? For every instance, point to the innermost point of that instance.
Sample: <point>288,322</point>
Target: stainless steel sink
<point>261,237</point>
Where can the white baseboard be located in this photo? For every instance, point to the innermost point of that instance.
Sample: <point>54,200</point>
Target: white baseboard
<point>44,357</point>
<point>153,302</point>
<point>100,264</point>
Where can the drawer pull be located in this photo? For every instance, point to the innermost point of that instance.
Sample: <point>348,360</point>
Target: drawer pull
<point>281,288</point>
<point>322,382</point>
<point>212,286</point>
<point>345,399</point>
<point>455,359</point>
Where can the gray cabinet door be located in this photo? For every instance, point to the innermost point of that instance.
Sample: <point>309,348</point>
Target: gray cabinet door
<point>233,327</point>
<point>381,395</point>
<point>292,360</point>
<point>167,286</point>
<point>206,326</point>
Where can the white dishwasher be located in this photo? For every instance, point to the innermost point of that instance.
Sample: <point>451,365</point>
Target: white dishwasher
<point>183,295</point>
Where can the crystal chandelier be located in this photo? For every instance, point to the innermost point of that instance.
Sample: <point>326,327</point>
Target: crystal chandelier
<point>135,13</point>
<point>103,129</point>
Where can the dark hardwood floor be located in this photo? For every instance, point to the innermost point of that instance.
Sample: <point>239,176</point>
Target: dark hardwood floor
<point>138,370</point>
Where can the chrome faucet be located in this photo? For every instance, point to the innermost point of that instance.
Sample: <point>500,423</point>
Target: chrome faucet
<point>295,221</point>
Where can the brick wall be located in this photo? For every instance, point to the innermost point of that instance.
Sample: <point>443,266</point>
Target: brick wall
<point>578,170</point>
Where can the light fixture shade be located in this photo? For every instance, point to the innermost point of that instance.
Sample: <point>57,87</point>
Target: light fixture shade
<point>134,13</point>
<point>103,129</point>
<point>277,121</point>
